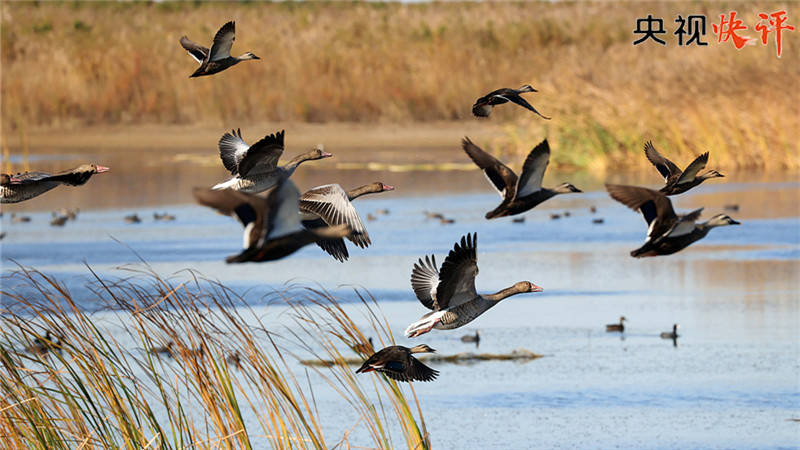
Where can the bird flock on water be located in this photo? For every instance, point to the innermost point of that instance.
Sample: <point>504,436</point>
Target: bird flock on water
<point>283,220</point>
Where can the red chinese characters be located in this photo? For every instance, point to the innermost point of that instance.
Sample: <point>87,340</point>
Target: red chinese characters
<point>727,30</point>
<point>775,22</point>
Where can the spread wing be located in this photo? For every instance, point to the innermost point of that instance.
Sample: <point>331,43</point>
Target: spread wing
<point>223,41</point>
<point>333,247</point>
<point>262,156</point>
<point>530,180</point>
<point>248,208</point>
<point>424,280</point>
<point>665,167</point>
<point>330,203</point>
<point>655,206</point>
<point>196,51</point>
<point>690,173</point>
<point>232,149</point>
<point>502,178</point>
<point>516,98</point>
<point>284,208</point>
<point>684,225</point>
<point>457,277</point>
<point>411,370</point>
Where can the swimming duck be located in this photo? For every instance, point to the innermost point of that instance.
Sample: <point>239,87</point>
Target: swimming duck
<point>617,326</point>
<point>450,292</point>
<point>433,215</point>
<point>255,167</point>
<point>397,363</point>
<point>555,216</point>
<point>446,221</point>
<point>518,219</point>
<point>330,205</point>
<point>519,194</point>
<point>133,218</point>
<point>163,217</point>
<point>672,335</point>
<point>219,57</point>
<point>272,228</point>
<point>483,106</point>
<point>598,221</point>
<point>234,360</point>
<point>476,338</point>
<point>679,181</point>
<point>166,350</point>
<point>58,221</point>
<point>667,232</point>
<point>42,345</point>
<point>28,185</point>
<point>19,219</point>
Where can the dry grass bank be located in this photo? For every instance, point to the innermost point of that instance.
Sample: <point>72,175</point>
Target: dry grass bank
<point>114,63</point>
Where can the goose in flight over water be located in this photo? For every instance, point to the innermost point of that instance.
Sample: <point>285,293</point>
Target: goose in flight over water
<point>219,57</point>
<point>255,167</point>
<point>398,363</point>
<point>25,186</point>
<point>272,228</point>
<point>519,193</point>
<point>667,232</point>
<point>330,205</point>
<point>483,106</point>
<point>678,181</point>
<point>450,291</point>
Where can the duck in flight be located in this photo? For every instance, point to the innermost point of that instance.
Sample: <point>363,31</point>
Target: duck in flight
<point>330,205</point>
<point>483,106</point>
<point>398,363</point>
<point>677,181</point>
<point>25,186</point>
<point>519,193</point>
<point>255,167</point>
<point>219,57</point>
<point>450,291</point>
<point>272,228</point>
<point>667,232</point>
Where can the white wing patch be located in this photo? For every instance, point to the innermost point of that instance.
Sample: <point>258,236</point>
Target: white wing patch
<point>681,229</point>
<point>501,192</point>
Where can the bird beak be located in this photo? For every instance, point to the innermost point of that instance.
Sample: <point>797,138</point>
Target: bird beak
<point>733,222</point>
<point>101,169</point>
<point>256,57</point>
<point>535,288</point>
<point>386,187</point>
<point>327,155</point>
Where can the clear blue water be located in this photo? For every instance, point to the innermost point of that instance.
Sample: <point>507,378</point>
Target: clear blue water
<point>733,381</point>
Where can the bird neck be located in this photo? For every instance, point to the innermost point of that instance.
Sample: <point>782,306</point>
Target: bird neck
<point>505,293</point>
<point>363,190</point>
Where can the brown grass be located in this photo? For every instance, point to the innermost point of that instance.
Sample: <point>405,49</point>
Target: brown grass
<point>79,63</point>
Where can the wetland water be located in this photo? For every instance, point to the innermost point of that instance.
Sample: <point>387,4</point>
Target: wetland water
<point>731,382</point>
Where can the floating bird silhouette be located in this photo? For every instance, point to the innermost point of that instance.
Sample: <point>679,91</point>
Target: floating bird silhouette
<point>450,292</point>
<point>272,228</point>
<point>219,57</point>
<point>483,106</point>
<point>133,218</point>
<point>518,220</point>
<point>598,221</point>
<point>671,335</point>
<point>398,363</point>
<point>42,345</point>
<point>667,232</point>
<point>519,193</point>
<point>678,181</point>
<point>19,219</point>
<point>330,205</point>
<point>255,167</point>
<point>165,350</point>
<point>476,338</point>
<point>28,185</point>
<point>165,217</point>
<point>617,326</point>
<point>58,221</point>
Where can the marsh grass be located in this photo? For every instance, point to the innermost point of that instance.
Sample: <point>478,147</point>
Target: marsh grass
<point>87,63</point>
<point>226,381</point>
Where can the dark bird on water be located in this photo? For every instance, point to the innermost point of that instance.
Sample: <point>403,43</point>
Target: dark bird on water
<point>330,205</point>
<point>219,57</point>
<point>620,327</point>
<point>28,185</point>
<point>476,338</point>
<point>518,219</point>
<point>398,363</point>
<point>519,193</point>
<point>598,221</point>
<point>671,335</point>
<point>272,228</point>
<point>450,291</point>
<point>667,232</point>
<point>483,106</point>
<point>133,218</point>
<point>678,181</point>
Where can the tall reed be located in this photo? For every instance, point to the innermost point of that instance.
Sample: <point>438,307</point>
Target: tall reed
<point>169,364</point>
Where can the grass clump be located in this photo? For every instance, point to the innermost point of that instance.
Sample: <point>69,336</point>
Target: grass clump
<point>177,365</point>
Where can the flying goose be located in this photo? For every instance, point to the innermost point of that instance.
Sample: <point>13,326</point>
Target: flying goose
<point>219,57</point>
<point>450,292</point>
<point>330,205</point>
<point>679,181</point>
<point>397,363</point>
<point>483,106</point>
<point>667,232</point>
<point>673,335</point>
<point>617,326</point>
<point>519,194</point>
<point>255,167</point>
<point>28,185</point>
<point>272,228</point>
